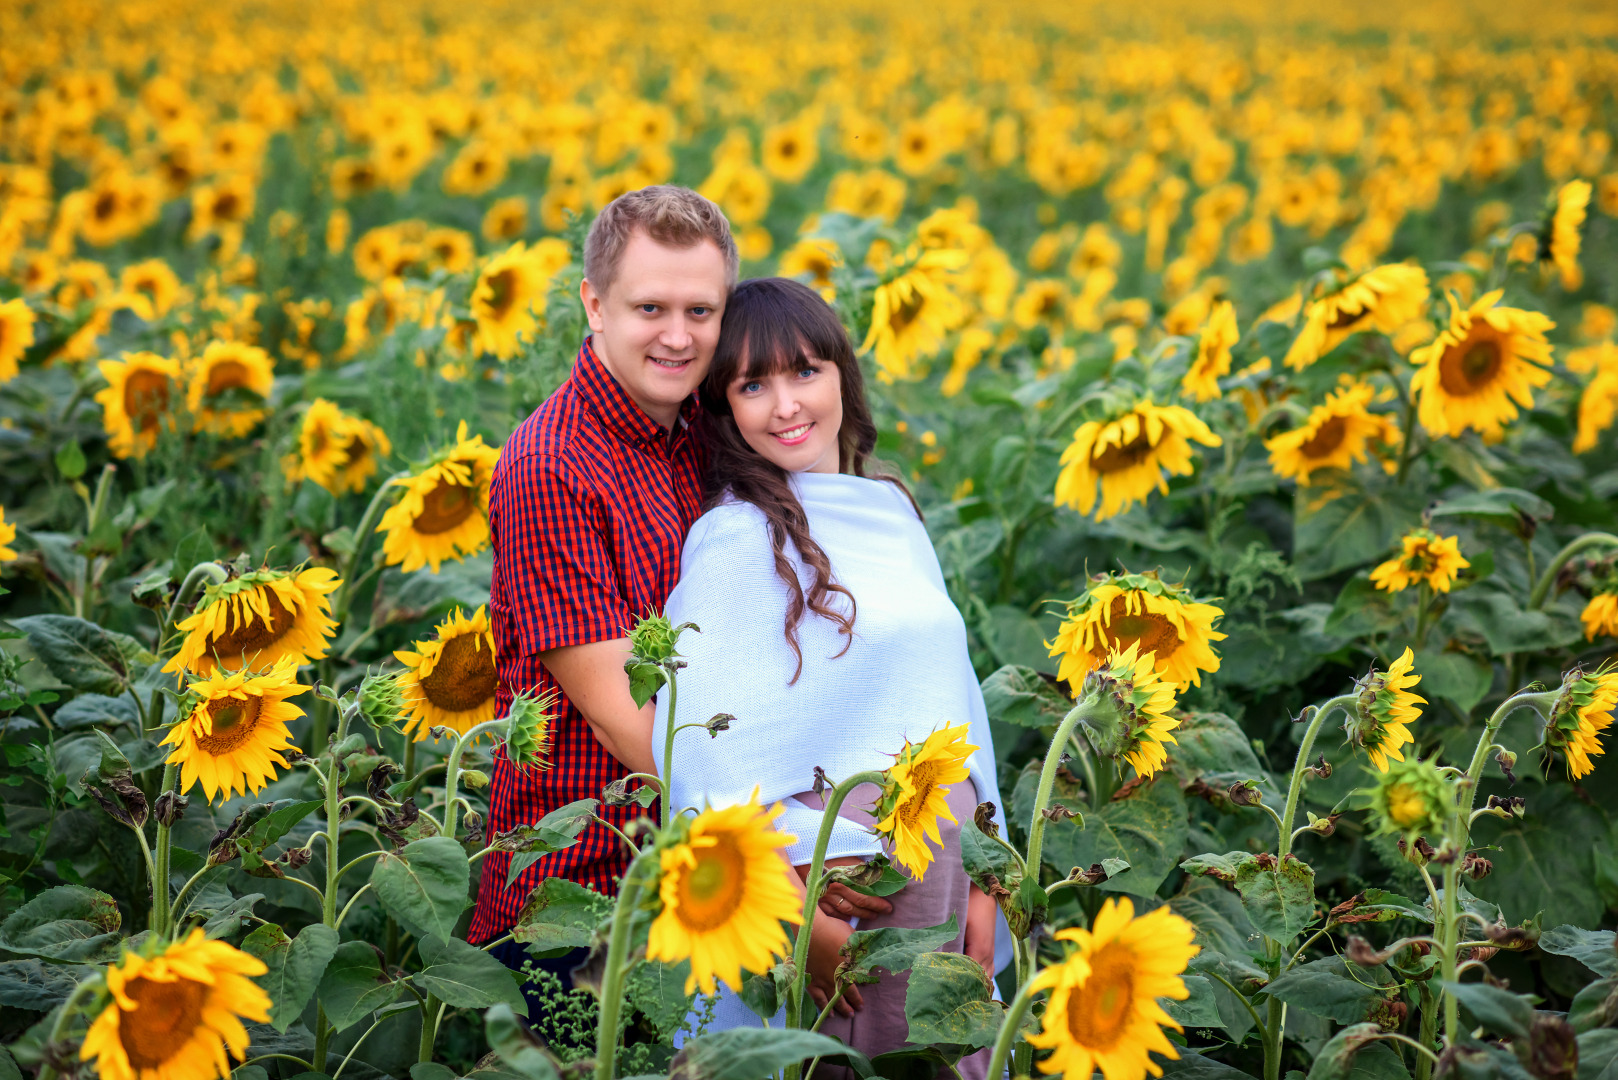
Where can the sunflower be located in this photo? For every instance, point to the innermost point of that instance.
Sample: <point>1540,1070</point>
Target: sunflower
<point>1559,240</point>
<point>1383,298</point>
<point>1201,382</point>
<point>1597,407</point>
<point>136,401</point>
<point>725,893</point>
<point>337,451</point>
<point>1385,706</point>
<point>1412,798</point>
<point>8,533</point>
<point>1600,615</point>
<point>177,1015</point>
<point>232,738</point>
<point>450,249</point>
<point>1104,1011</point>
<point>1140,730</point>
<point>444,511</point>
<point>149,289</point>
<point>16,334</point>
<point>1582,713</point>
<point>1484,360</point>
<point>1042,302</point>
<point>451,680</point>
<point>507,219</point>
<point>1336,434</point>
<point>872,193</point>
<point>509,298</point>
<point>911,313</point>
<point>815,258</point>
<point>1426,558</point>
<point>788,151</point>
<point>477,169</point>
<point>257,619</point>
<point>1119,610</point>
<point>914,794</point>
<point>229,385</point>
<point>1127,456</point>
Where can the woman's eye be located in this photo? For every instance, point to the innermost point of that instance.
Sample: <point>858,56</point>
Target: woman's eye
<point>752,387</point>
<point>808,370</point>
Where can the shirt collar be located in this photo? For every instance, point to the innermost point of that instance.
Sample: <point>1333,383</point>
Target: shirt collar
<point>618,411</point>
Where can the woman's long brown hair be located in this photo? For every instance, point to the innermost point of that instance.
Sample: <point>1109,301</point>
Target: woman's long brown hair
<point>774,325</point>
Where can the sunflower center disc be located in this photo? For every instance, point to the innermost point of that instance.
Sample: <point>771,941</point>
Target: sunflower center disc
<point>443,508</point>
<point>233,722</point>
<point>146,398</point>
<point>1469,367</point>
<point>503,286</point>
<point>1405,805</point>
<point>913,807</point>
<point>1344,319</point>
<point>255,634</point>
<point>230,375</point>
<point>711,891</point>
<point>1152,632</point>
<point>1327,439</point>
<point>1118,458</point>
<point>161,1025</point>
<point>464,676</point>
<point>906,313</point>
<point>1098,1013</point>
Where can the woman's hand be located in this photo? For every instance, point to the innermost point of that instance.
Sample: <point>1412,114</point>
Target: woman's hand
<point>981,916</point>
<point>825,953</point>
<point>841,902</point>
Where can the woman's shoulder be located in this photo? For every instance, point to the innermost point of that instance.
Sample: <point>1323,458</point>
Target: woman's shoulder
<point>729,521</point>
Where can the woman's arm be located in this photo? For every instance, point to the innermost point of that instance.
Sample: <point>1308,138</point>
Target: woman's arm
<point>981,917</point>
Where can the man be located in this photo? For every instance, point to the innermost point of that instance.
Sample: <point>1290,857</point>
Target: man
<point>590,503</point>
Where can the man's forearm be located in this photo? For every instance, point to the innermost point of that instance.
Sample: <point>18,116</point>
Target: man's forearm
<point>593,678</point>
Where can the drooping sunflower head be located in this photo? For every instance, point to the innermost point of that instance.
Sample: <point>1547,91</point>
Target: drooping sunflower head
<point>137,402</point>
<point>913,311</point>
<point>258,618</point>
<point>508,298</point>
<point>16,334</point>
<point>1118,610</point>
<point>915,795</point>
<point>1336,434</point>
<point>1128,456</point>
<point>450,681</point>
<point>528,729</point>
<point>338,451</point>
<point>1129,720</point>
<point>1582,714</point>
<point>1385,707</point>
<point>228,388</point>
<point>150,288</point>
<point>1104,1011</point>
<point>232,738</point>
<point>1559,238</point>
<point>1483,365</point>
<point>1425,558</point>
<point>176,1014</point>
<point>1219,335</point>
<point>443,512</point>
<point>725,893</point>
<point>1383,298</point>
<point>1412,798</point>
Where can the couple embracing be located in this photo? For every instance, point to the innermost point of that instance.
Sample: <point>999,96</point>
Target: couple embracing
<point>709,455</point>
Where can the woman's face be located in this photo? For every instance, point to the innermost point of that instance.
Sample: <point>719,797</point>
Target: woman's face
<point>792,417</point>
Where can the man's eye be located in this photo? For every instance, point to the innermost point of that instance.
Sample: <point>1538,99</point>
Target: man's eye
<point>650,309</point>
<point>700,310</point>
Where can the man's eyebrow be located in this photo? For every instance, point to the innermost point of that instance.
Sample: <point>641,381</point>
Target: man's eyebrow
<point>660,302</point>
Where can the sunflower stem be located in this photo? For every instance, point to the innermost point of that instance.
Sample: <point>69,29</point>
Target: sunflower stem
<point>1542,587</point>
<point>160,876</point>
<point>612,978</point>
<point>1424,600</point>
<point>212,572</point>
<point>70,1009</point>
<point>1086,706</point>
<point>1305,748</point>
<point>811,895</point>
<point>452,769</point>
<point>1428,1030</point>
<point>333,781</point>
<point>1450,935</point>
<point>1540,701</point>
<point>668,748</point>
<point>1010,1027</point>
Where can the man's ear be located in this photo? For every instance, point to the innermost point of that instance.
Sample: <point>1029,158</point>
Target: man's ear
<point>592,302</point>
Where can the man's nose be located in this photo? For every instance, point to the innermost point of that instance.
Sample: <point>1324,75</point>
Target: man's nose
<point>677,335</point>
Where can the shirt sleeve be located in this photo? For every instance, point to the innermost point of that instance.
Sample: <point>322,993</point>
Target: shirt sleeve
<point>552,552</point>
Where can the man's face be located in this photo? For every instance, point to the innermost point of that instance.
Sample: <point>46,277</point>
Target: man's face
<point>657,325</point>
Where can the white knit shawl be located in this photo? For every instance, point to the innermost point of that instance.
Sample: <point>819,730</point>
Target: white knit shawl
<point>906,674</point>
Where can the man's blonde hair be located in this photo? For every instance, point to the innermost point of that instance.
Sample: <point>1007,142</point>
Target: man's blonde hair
<point>671,215</point>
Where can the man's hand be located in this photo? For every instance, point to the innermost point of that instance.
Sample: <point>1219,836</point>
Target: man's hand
<point>593,678</point>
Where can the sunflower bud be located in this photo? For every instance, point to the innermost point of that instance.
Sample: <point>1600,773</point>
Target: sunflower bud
<point>1124,710</point>
<point>1476,867</point>
<point>718,722</point>
<point>1512,806</point>
<point>1322,826</point>
<point>528,736</point>
<point>1412,853</point>
<point>1058,812</point>
<point>654,639</point>
<point>1507,762</point>
<point>1321,770</point>
<point>475,778</point>
<point>376,785</point>
<point>296,858</point>
<point>1245,793</point>
<point>474,827</point>
<point>381,700</point>
<point>1553,1050</point>
<point>1412,798</point>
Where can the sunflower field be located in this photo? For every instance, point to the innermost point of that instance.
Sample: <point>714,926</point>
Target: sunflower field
<point>1255,366</point>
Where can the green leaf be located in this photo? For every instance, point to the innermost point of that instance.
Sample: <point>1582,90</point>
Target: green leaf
<point>39,987</point>
<point>1490,610</point>
<point>1592,948</point>
<point>1212,742</point>
<point>947,1001</point>
<point>1363,610</point>
<point>431,1070</point>
<point>424,886</point>
<point>1598,1055</point>
<point>874,877</point>
<point>1332,988</point>
<point>892,948</point>
<point>1379,905</point>
<point>983,858</point>
<point>1200,1010</point>
<point>1595,1006</point>
<point>516,1046</point>
<point>555,831</point>
<point>277,823</point>
<point>645,680</point>
<point>296,966</point>
<point>354,985</point>
<point>1349,531</point>
<point>1460,677</point>
<point>1280,899</point>
<point>1147,830</point>
<point>765,993</point>
<point>1499,1010</point>
<point>1510,508</point>
<point>658,991</point>
<point>87,710</point>
<point>70,924</point>
<point>466,976</point>
<point>82,654</point>
<point>1021,696</point>
<point>1193,1066</point>
<point>194,547</point>
<point>1355,1054</point>
<point>560,914</point>
<point>1219,867</point>
<point>750,1053</point>
<point>8,1066</point>
<point>70,460</point>
<point>1536,869</point>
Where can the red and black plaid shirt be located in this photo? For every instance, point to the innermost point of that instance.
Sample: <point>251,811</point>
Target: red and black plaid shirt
<point>588,510</point>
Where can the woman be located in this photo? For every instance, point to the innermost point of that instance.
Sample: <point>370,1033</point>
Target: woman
<point>825,629</point>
